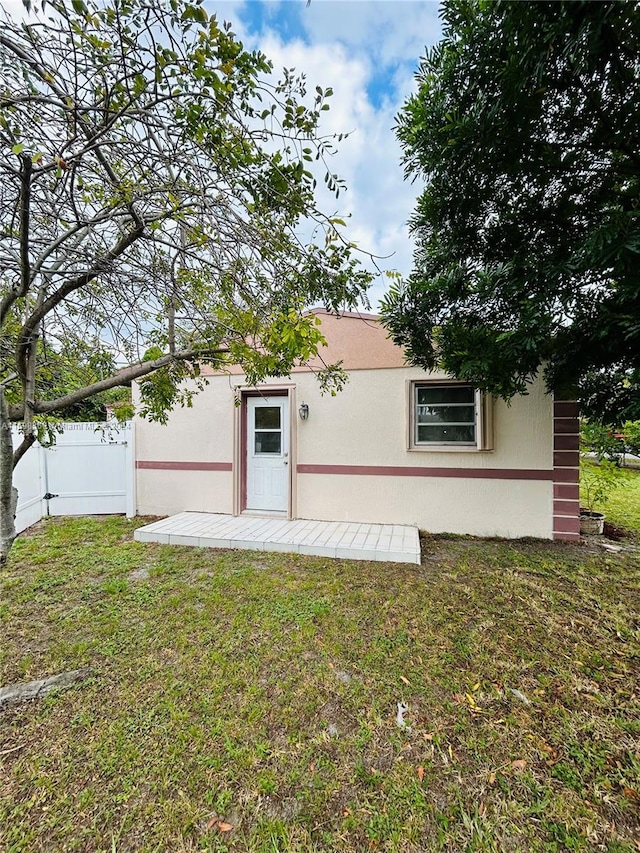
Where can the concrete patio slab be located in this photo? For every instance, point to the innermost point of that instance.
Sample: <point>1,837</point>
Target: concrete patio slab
<point>394,543</point>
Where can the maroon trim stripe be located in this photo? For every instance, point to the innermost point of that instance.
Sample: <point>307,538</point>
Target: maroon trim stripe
<point>567,535</point>
<point>570,508</point>
<point>566,524</point>
<point>373,470</point>
<point>566,442</point>
<point>565,409</point>
<point>184,466</point>
<point>564,426</point>
<point>566,475</point>
<point>566,491</point>
<point>401,471</point>
<point>566,471</point>
<point>566,458</point>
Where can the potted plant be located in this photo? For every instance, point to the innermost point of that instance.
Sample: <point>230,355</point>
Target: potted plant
<point>597,482</point>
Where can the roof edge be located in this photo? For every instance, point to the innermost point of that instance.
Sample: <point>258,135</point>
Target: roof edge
<point>361,315</point>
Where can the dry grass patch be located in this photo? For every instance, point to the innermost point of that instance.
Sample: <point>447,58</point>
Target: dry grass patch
<point>245,701</point>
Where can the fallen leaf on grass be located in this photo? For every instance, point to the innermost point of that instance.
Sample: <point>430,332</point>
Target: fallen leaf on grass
<point>492,778</point>
<point>220,825</point>
<point>519,764</point>
<point>554,755</point>
<point>421,773</point>
<point>481,809</point>
<point>405,680</point>
<point>629,792</point>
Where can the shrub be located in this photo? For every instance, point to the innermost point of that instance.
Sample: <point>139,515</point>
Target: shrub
<point>602,440</point>
<point>631,437</point>
<point>597,482</point>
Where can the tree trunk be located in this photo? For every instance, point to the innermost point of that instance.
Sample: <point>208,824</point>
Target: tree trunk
<point>8,494</point>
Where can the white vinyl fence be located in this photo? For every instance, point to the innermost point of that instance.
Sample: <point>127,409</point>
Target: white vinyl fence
<point>88,471</point>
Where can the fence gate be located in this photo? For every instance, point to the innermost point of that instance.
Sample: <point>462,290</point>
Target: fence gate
<point>88,471</point>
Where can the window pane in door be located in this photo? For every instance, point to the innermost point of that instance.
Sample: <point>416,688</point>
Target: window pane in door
<point>267,417</point>
<point>267,442</point>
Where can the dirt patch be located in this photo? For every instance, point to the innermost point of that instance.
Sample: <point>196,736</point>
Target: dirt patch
<point>141,574</point>
<point>616,534</point>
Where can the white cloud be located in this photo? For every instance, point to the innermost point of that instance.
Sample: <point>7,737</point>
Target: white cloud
<point>377,201</point>
<point>389,31</point>
<point>355,47</point>
<point>15,9</point>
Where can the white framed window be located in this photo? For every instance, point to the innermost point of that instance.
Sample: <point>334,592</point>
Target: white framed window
<point>449,415</point>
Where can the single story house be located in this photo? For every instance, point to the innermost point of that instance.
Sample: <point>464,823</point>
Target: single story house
<point>397,445</point>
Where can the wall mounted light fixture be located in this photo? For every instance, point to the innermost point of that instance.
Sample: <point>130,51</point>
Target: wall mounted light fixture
<point>303,411</point>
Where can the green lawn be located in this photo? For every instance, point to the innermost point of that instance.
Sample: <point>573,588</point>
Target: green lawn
<point>246,701</point>
<point>623,507</point>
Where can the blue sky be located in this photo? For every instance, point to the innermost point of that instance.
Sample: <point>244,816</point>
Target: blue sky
<point>368,53</point>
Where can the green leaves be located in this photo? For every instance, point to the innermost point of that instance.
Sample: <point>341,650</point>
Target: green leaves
<point>194,12</point>
<point>161,218</point>
<point>598,482</point>
<point>527,232</point>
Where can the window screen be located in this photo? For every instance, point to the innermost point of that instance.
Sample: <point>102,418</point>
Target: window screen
<point>445,414</point>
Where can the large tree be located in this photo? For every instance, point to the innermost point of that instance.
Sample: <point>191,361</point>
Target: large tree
<point>155,186</point>
<point>526,128</point>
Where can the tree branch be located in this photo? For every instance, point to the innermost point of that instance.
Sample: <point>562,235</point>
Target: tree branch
<point>17,292</point>
<point>121,378</point>
<point>8,495</point>
<point>28,440</point>
<point>26,166</point>
<point>75,283</point>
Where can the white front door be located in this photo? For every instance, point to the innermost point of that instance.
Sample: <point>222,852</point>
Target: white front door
<point>268,453</point>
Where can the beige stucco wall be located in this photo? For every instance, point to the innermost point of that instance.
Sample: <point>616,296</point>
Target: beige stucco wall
<point>203,433</point>
<point>478,507</point>
<point>168,492</point>
<point>366,424</point>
